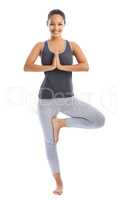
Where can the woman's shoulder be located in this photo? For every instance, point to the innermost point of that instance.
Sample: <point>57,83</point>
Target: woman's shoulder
<point>40,45</point>
<point>74,44</point>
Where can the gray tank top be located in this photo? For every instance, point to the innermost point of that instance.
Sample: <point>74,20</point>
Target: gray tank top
<point>56,83</point>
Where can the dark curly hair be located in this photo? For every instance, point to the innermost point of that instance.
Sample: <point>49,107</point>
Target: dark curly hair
<point>58,12</point>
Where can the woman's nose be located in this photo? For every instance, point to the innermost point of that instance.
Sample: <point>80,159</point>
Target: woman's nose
<point>55,26</point>
<point>55,30</point>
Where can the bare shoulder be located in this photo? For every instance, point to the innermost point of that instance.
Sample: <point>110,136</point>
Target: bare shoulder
<point>34,53</point>
<point>38,47</point>
<point>42,43</point>
<point>74,46</point>
<point>78,52</point>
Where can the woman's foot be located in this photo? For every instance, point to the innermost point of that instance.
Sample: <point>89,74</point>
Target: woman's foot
<point>59,189</point>
<point>59,183</point>
<point>57,124</point>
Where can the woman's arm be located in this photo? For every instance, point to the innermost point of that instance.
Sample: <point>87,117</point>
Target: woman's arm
<point>35,52</point>
<point>81,59</point>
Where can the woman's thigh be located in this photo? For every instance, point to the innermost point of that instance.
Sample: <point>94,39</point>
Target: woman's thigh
<point>79,109</point>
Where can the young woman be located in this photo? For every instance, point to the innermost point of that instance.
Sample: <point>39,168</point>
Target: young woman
<point>56,92</point>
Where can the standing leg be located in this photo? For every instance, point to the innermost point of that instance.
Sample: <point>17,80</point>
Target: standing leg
<point>46,113</point>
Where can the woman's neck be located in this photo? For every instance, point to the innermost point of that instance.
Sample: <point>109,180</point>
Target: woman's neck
<point>56,39</point>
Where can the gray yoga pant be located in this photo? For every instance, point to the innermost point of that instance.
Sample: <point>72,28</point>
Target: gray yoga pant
<point>82,115</point>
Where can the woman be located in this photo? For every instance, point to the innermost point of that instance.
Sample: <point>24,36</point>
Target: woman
<point>56,92</point>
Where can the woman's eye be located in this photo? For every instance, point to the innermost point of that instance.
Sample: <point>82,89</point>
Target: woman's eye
<point>58,24</point>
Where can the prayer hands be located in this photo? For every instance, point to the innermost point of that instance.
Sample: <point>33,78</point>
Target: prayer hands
<point>56,61</point>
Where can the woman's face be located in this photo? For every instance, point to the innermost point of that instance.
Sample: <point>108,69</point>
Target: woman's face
<point>56,25</point>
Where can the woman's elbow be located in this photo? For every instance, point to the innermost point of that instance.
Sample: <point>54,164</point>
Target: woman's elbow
<point>26,67</point>
<point>86,66</point>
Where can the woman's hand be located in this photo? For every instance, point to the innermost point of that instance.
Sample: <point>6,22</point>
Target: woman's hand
<point>54,66</point>
<point>58,65</point>
<point>56,61</point>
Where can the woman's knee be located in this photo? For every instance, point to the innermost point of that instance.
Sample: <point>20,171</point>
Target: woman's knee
<point>100,120</point>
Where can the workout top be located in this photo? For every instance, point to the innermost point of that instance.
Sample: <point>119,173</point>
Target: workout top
<point>56,83</point>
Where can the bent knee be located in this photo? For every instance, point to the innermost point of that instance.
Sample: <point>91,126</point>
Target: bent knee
<point>100,121</point>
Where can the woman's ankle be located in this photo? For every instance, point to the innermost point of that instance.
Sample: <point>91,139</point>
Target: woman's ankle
<point>57,178</point>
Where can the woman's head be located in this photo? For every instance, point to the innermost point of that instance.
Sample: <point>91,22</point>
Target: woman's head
<point>56,22</point>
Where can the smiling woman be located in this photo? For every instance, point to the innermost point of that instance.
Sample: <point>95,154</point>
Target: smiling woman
<point>56,93</point>
<point>56,22</point>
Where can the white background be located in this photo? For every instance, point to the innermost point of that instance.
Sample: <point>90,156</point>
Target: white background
<point>90,160</point>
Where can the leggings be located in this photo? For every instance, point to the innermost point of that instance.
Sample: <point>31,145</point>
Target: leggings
<point>81,115</point>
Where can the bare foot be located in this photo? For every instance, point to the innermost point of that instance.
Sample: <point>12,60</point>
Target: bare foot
<point>59,189</point>
<point>56,127</point>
